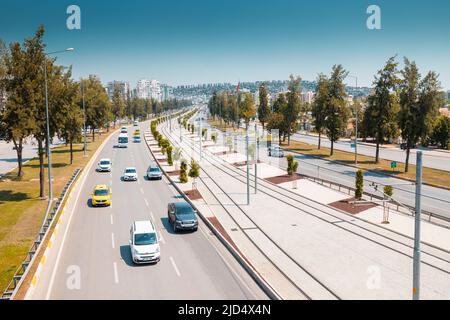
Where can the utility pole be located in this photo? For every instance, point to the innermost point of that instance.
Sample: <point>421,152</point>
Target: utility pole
<point>356,124</point>
<point>416,263</point>
<point>248,165</point>
<point>84,116</point>
<point>256,157</point>
<point>200,135</point>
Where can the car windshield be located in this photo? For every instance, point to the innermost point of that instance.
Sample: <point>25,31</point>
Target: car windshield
<point>102,192</point>
<point>182,211</point>
<point>104,163</point>
<point>145,239</point>
<point>154,169</point>
<point>130,171</point>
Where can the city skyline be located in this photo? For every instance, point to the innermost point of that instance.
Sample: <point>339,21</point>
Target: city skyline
<point>199,42</point>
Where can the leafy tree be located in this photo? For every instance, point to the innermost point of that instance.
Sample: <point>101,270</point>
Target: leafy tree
<point>276,122</point>
<point>293,106</point>
<point>320,105</point>
<point>380,114</point>
<point>441,132</point>
<point>359,184</point>
<point>118,104</point>
<point>263,108</point>
<point>418,104</point>
<point>337,110</point>
<point>16,118</point>
<point>98,106</point>
<point>205,134</point>
<point>71,116</point>
<point>247,109</point>
<point>194,172</point>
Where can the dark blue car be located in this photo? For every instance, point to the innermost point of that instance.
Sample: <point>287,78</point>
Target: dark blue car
<point>182,216</point>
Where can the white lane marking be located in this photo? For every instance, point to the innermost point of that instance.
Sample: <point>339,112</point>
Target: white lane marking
<point>112,241</point>
<point>139,182</point>
<point>161,237</point>
<point>151,215</point>
<point>112,219</point>
<point>175,267</point>
<point>146,202</point>
<point>116,274</point>
<point>142,191</point>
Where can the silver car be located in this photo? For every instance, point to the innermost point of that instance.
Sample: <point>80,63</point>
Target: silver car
<point>154,172</point>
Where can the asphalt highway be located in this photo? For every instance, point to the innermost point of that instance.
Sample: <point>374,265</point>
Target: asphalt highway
<point>192,266</point>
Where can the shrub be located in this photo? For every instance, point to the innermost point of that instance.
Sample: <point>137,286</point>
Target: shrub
<point>169,155</point>
<point>359,184</point>
<point>214,137</point>
<point>292,165</point>
<point>389,191</point>
<point>183,172</point>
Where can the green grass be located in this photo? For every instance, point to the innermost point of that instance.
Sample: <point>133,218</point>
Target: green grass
<point>21,209</point>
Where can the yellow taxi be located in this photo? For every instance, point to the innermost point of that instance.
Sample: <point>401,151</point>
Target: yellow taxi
<point>101,196</point>
<point>137,132</point>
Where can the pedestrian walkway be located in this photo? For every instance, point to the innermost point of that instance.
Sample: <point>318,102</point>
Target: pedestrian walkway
<point>327,253</point>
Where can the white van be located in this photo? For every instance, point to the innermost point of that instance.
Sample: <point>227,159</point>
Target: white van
<point>144,243</point>
<point>123,141</point>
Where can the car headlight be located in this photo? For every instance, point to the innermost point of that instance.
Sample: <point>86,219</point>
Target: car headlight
<point>157,250</point>
<point>136,253</point>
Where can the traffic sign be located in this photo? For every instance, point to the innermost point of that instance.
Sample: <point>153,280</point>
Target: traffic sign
<point>393,165</point>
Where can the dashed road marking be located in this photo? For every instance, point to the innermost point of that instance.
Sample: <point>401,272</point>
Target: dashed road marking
<point>112,241</point>
<point>142,191</point>
<point>175,267</point>
<point>116,274</point>
<point>146,203</point>
<point>151,215</point>
<point>112,219</point>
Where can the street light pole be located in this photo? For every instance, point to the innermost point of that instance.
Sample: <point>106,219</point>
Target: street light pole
<point>49,153</point>
<point>256,157</point>
<point>416,257</point>
<point>84,118</point>
<point>248,165</point>
<point>356,124</point>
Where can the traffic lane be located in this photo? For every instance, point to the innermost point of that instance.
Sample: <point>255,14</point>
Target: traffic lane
<point>404,192</point>
<point>87,247</point>
<point>196,261</point>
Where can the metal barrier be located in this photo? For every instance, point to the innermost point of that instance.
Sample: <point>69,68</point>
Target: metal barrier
<point>51,213</point>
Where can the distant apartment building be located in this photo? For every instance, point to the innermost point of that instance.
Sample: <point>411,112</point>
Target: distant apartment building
<point>308,97</point>
<point>149,89</point>
<point>167,92</point>
<point>123,86</point>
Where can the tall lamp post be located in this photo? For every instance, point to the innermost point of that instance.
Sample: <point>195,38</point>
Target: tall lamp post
<point>49,154</point>
<point>356,123</point>
<point>84,118</point>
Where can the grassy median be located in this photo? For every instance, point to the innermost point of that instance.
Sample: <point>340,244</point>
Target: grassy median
<point>435,177</point>
<point>21,209</point>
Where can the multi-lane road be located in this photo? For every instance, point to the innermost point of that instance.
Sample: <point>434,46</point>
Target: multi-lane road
<point>432,158</point>
<point>95,245</point>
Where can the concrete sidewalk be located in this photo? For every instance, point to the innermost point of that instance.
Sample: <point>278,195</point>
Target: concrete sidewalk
<point>326,252</point>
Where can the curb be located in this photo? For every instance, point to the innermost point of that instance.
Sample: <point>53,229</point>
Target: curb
<point>262,283</point>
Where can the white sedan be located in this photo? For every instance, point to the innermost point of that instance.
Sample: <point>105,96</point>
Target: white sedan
<point>130,174</point>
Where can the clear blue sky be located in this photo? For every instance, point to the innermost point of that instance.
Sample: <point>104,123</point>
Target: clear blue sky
<point>202,41</point>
